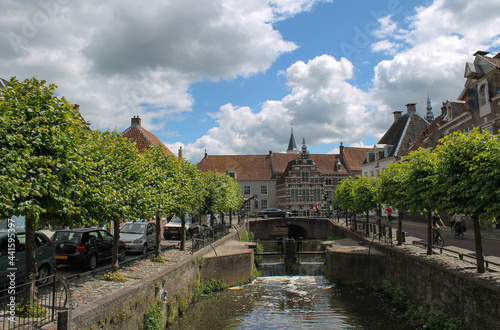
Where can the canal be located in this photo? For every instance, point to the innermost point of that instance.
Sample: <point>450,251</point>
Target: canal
<point>292,302</point>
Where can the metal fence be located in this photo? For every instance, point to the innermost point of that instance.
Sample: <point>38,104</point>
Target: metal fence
<point>21,310</point>
<point>207,235</point>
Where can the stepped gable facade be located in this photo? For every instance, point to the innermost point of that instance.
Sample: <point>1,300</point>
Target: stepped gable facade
<point>142,138</point>
<point>267,181</point>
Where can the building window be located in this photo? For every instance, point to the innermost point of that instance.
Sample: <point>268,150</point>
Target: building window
<point>337,165</point>
<point>482,95</point>
<point>294,196</point>
<point>317,195</point>
<point>232,174</point>
<point>305,195</point>
<point>263,190</point>
<point>263,204</point>
<point>328,181</point>
<point>305,176</point>
<point>246,190</point>
<point>488,128</point>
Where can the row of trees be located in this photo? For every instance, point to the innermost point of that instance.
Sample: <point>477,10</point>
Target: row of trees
<point>462,175</point>
<point>55,171</point>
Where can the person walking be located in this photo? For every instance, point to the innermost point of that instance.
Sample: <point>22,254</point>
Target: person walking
<point>389,213</point>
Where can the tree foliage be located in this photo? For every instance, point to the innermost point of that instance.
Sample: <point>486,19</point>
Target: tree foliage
<point>469,177</point>
<point>40,163</point>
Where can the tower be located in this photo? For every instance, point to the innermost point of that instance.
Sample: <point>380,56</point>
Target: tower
<point>429,116</point>
<point>292,147</point>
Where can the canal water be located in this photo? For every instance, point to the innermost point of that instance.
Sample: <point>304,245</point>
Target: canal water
<point>292,302</point>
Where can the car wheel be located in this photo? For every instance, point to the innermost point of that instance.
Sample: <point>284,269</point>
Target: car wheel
<point>287,215</point>
<point>266,216</point>
<point>43,274</point>
<point>122,253</point>
<point>145,248</point>
<point>189,234</point>
<point>91,262</point>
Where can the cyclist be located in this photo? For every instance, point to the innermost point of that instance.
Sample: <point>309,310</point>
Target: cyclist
<point>436,219</point>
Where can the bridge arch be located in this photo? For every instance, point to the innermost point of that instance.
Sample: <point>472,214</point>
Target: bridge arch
<point>306,228</point>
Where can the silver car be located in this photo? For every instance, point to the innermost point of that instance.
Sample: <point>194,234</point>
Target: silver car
<point>138,236</point>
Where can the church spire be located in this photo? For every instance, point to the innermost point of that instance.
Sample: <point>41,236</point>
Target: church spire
<point>292,147</point>
<point>429,116</point>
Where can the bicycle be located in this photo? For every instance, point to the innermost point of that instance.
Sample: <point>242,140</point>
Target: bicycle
<point>457,229</point>
<point>437,238</point>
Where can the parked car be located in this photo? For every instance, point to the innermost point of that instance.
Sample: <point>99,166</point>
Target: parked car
<point>138,236</point>
<point>85,246</point>
<point>173,227</point>
<point>45,254</point>
<point>273,213</point>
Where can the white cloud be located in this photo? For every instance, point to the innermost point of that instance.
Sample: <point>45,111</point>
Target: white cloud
<point>322,105</point>
<point>120,57</point>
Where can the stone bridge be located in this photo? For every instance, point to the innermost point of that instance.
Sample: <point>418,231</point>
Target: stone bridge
<point>291,227</point>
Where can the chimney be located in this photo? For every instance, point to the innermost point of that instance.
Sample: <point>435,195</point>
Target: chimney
<point>341,148</point>
<point>411,108</point>
<point>181,153</point>
<point>443,110</point>
<point>206,155</point>
<point>270,152</point>
<point>136,121</point>
<point>397,115</point>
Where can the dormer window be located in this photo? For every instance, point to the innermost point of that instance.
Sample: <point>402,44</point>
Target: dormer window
<point>232,173</point>
<point>483,95</point>
<point>337,165</point>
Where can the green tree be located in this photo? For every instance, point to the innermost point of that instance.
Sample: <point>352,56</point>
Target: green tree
<point>364,192</point>
<point>392,191</point>
<point>343,196</point>
<point>420,175</point>
<point>40,164</point>
<point>189,194</point>
<point>469,177</point>
<point>158,180</point>
<point>114,183</point>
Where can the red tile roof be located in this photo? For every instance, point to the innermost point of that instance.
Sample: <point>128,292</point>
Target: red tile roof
<point>355,156</point>
<point>247,167</point>
<point>267,167</point>
<point>142,138</point>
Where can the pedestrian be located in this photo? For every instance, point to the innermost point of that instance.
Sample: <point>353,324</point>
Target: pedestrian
<point>389,213</point>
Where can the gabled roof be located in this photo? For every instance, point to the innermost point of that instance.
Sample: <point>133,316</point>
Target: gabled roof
<point>247,167</point>
<point>271,166</point>
<point>143,139</point>
<point>429,138</point>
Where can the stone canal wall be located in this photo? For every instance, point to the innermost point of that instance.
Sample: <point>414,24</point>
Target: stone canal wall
<point>173,287</point>
<point>439,281</point>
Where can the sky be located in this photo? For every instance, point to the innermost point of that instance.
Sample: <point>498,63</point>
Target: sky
<point>233,76</point>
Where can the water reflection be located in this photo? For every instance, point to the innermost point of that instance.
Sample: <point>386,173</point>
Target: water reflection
<point>292,302</point>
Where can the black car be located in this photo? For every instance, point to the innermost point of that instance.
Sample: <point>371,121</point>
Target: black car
<point>273,213</point>
<point>85,246</point>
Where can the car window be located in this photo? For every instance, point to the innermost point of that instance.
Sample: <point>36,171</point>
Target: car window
<point>94,236</point>
<point>22,242</point>
<point>67,236</point>
<point>133,228</point>
<point>40,240</point>
<point>4,246</point>
<point>151,228</point>
<point>107,237</point>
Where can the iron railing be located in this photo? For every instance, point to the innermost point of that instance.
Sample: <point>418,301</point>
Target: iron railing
<point>21,310</point>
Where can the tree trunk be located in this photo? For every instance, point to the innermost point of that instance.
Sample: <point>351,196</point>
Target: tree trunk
<point>479,244</point>
<point>400,228</point>
<point>429,233</point>
<point>367,223</point>
<point>158,235</point>
<point>116,240</point>
<point>183,233</point>
<point>31,269</point>
<point>230,219</point>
